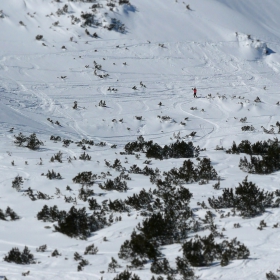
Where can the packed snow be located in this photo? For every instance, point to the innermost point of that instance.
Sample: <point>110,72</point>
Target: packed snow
<point>144,69</point>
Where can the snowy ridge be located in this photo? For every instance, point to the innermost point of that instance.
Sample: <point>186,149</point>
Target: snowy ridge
<point>141,59</point>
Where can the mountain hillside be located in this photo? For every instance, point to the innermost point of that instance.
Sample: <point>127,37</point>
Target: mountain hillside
<point>110,168</point>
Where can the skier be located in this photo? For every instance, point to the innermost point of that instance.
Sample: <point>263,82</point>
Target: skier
<point>194,91</point>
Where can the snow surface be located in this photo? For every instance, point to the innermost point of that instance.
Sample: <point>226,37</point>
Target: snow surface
<point>207,47</point>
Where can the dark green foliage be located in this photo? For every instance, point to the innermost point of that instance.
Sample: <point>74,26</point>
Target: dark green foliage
<point>93,205</point>
<point>15,256</point>
<point>77,256</point>
<point>85,178</point>
<point>247,128</point>
<point>161,267</point>
<point>42,248</point>
<point>84,142</point>
<point>20,139</point>
<point>135,169</point>
<point>17,182</point>
<point>57,157</point>
<point>31,142</point>
<point>2,215</point>
<point>141,200</point>
<point>184,269</point>
<point>91,250</point>
<point>55,253</point>
<point>269,152</point>
<point>175,150</point>
<point>164,229</point>
<point>84,156</point>
<point>272,276</point>
<point>118,206</point>
<point>248,199</point>
<point>66,142</point>
<point>55,138</point>
<point>117,165</point>
<point>189,173</point>
<point>50,214</point>
<point>34,196</point>
<point>113,265</point>
<point>9,215</point>
<point>202,251</point>
<point>158,278</point>
<point>138,247</point>
<point>53,175</point>
<point>82,264</point>
<point>117,184</point>
<point>85,193</point>
<point>75,223</point>
<point>136,264</point>
<point>126,275</point>
<point>147,171</point>
<point>122,2</point>
<point>206,170</point>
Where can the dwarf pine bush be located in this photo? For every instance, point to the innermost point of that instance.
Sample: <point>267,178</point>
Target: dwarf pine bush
<point>15,256</point>
<point>247,198</point>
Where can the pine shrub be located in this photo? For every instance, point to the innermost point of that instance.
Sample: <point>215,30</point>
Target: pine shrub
<point>15,256</point>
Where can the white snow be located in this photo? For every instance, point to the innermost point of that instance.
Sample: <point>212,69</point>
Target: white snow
<point>226,48</point>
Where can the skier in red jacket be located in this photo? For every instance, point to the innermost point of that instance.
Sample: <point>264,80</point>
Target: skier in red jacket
<point>194,91</point>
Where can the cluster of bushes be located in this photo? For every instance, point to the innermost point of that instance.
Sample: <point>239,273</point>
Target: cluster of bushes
<point>85,178</point>
<point>34,196</point>
<point>189,173</point>
<point>53,175</point>
<point>84,156</point>
<point>202,251</point>
<point>117,184</point>
<point>170,219</point>
<point>126,275</point>
<point>50,214</point>
<point>247,198</point>
<point>85,193</point>
<point>18,257</point>
<point>118,205</point>
<point>140,201</point>
<point>247,128</point>
<point>8,215</point>
<point>31,141</point>
<point>179,149</point>
<point>74,223</point>
<point>269,152</point>
<point>57,157</point>
<point>116,25</point>
<point>147,171</point>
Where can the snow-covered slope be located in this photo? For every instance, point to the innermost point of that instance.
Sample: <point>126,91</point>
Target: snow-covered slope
<point>156,52</point>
